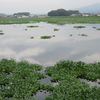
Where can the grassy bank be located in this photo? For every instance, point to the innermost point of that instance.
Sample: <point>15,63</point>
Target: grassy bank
<point>55,20</point>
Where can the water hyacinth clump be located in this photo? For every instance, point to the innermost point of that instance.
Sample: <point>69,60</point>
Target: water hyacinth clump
<point>82,35</point>
<point>0,30</point>
<point>56,29</point>
<point>19,80</point>
<point>79,26</point>
<point>67,74</point>
<point>98,28</point>
<point>93,27</point>
<point>45,37</point>
<point>71,35</point>
<point>32,37</point>
<point>25,29</point>
<point>1,33</point>
<point>32,26</point>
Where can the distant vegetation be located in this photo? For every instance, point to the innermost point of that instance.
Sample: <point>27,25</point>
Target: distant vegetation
<point>53,19</point>
<point>62,12</point>
<point>21,14</point>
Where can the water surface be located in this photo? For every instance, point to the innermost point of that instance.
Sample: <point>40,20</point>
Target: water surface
<point>16,43</point>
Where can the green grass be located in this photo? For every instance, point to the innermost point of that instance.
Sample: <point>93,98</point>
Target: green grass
<point>32,26</point>
<point>45,37</point>
<point>79,26</point>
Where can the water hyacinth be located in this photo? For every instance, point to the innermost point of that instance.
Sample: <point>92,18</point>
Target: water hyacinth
<point>1,33</point>
<point>79,26</point>
<point>23,82</point>
<point>56,29</point>
<point>32,26</point>
<point>45,37</point>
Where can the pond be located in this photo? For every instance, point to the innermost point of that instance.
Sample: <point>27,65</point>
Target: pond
<point>20,42</point>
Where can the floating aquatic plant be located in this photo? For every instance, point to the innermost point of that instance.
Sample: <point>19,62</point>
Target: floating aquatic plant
<point>98,28</point>
<point>45,37</point>
<point>19,80</point>
<point>93,27</point>
<point>1,33</point>
<point>56,29</point>
<point>82,35</point>
<point>32,37</point>
<point>79,26</point>
<point>25,29</point>
<point>71,35</point>
<point>32,26</point>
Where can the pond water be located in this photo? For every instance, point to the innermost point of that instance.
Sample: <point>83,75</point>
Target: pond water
<point>17,44</point>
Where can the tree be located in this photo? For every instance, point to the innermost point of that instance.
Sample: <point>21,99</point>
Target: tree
<point>62,12</point>
<point>22,14</point>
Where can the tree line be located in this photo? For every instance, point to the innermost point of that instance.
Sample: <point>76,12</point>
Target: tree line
<point>62,12</point>
<point>21,14</point>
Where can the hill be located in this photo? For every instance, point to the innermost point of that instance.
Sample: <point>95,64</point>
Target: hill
<point>2,15</point>
<point>94,8</point>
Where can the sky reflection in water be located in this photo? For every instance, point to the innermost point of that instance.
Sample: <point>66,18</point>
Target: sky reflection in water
<point>16,43</point>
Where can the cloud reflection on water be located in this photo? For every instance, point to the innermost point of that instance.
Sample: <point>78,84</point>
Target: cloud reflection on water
<point>16,43</point>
